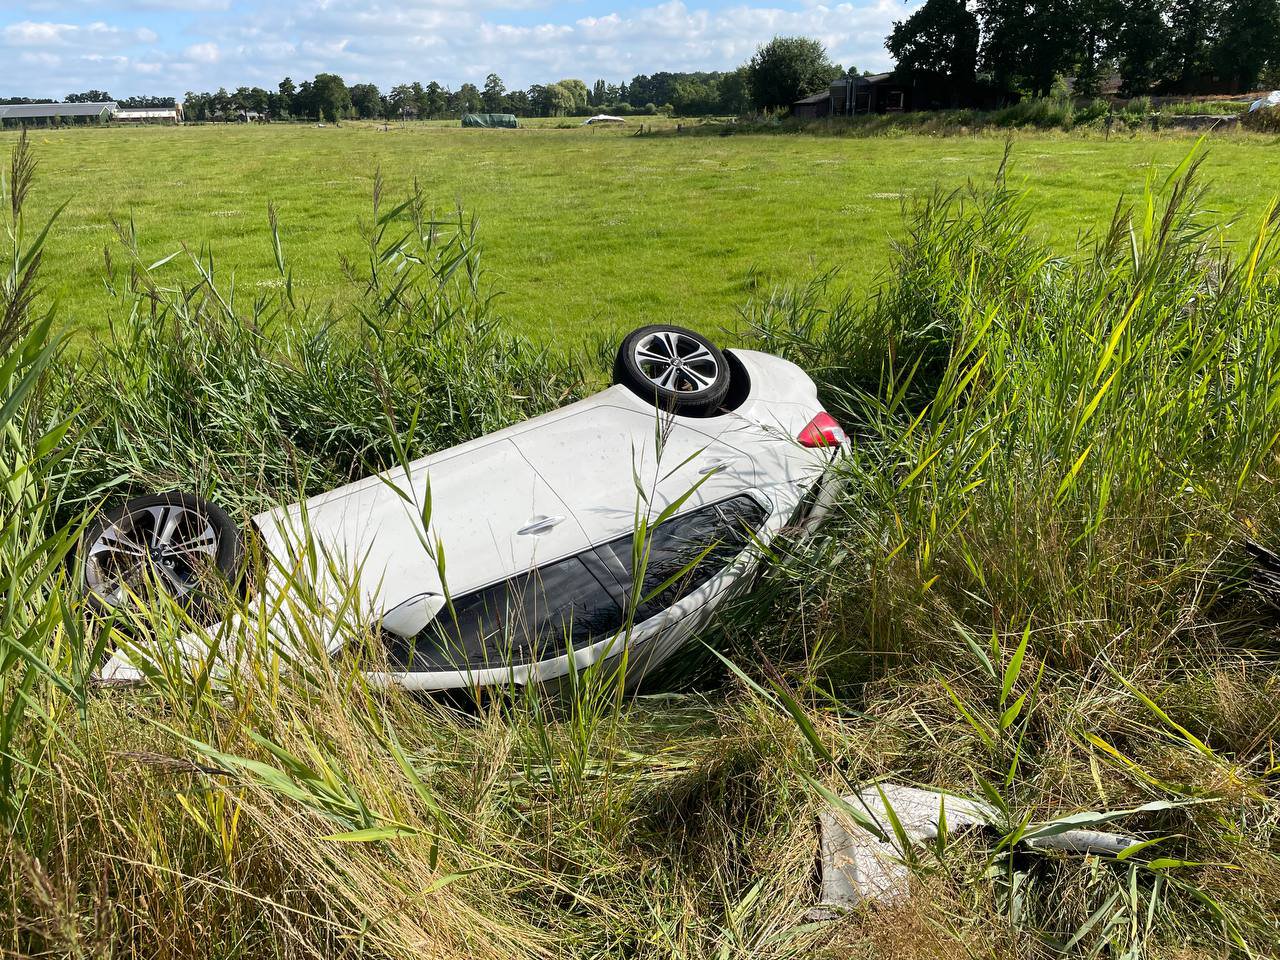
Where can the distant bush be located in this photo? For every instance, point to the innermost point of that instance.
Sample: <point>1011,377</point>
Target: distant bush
<point>1194,108</point>
<point>1047,113</point>
<point>1044,113</point>
<point>1262,121</point>
<point>1138,107</point>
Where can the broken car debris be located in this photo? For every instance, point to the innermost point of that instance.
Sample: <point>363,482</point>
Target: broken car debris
<point>861,843</point>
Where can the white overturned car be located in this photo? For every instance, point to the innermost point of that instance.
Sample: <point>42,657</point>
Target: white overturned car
<point>536,524</point>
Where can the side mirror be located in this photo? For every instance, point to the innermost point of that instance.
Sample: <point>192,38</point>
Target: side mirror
<point>411,617</point>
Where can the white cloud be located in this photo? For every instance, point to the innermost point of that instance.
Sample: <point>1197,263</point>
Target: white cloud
<point>30,33</point>
<point>203,53</point>
<point>453,41</point>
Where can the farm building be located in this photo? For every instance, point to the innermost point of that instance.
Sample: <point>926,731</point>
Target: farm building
<point>149,114</point>
<point>814,107</point>
<point>878,93</point>
<point>52,114</point>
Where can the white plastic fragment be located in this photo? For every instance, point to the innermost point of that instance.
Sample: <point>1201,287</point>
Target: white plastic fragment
<point>857,866</point>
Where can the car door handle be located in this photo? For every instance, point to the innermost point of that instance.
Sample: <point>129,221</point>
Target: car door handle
<point>539,525</point>
<point>714,465</point>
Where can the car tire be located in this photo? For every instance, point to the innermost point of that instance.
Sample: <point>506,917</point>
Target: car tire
<point>676,369</point>
<point>186,546</point>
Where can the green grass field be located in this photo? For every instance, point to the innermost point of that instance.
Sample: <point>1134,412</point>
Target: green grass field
<point>583,229</point>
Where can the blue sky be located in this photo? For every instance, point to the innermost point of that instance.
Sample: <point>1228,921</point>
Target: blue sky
<point>166,47</point>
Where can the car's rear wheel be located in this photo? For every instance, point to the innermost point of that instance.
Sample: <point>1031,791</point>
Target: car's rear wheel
<point>172,543</point>
<point>678,369</point>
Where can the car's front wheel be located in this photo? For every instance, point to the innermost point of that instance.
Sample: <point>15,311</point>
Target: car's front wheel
<point>174,543</point>
<point>678,369</point>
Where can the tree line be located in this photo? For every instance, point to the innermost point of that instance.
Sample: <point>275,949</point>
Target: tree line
<point>951,52</point>
<point>329,97</point>
<point>957,52</point>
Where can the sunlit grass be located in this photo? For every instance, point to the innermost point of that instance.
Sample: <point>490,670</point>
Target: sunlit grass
<point>587,230</point>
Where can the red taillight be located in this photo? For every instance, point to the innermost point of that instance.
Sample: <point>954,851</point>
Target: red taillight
<point>822,431</point>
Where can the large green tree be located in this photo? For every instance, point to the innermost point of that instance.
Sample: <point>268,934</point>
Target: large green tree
<point>1193,36</point>
<point>495,92</point>
<point>936,49</point>
<point>403,101</point>
<point>1248,40</point>
<point>1027,44</point>
<point>285,92</point>
<point>1139,46</point>
<point>735,93</point>
<point>433,101</point>
<point>581,96</point>
<point>330,97</point>
<point>786,69</point>
<point>366,100</point>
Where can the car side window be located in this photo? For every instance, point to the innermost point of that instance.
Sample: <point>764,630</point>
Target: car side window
<point>692,548</point>
<point>524,619</point>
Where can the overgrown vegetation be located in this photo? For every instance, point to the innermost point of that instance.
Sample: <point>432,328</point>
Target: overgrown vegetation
<point>1038,113</point>
<point>1034,593</point>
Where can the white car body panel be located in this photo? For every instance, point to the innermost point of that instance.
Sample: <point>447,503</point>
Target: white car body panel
<point>541,490</point>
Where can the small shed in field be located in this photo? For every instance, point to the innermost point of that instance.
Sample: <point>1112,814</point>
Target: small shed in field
<point>490,120</point>
<point>812,107</point>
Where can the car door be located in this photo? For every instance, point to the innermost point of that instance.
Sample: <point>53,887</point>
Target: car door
<point>611,460</point>
<point>491,516</point>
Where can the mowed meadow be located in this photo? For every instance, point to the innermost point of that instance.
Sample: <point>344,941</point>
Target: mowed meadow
<point>585,230</point>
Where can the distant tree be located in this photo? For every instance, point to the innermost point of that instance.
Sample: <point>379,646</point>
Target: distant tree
<point>467,99</point>
<point>518,103</point>
<point>1248,39</point>
<point>221,105</point>
<point>332,100</point>
<point>89,96</point>
<point>1028,44</point>
<point>695,97</point>
<point>735,93</point>
<point>250,99</point>
<point>1004,41</point>
<point>304,101</point>
<point>1099,27</point>
<point>936,48</point>
<point>551,100</point>
<point>1140,40</point>
<point>285,93</point>
<point>423,106</point>
<point>195,106</point>
<point>434,100</point>
<point>599,93</point>
<point>366,100</point>
<point>539,102</point>
<point>786,69</point>
<point>402,101</point>
<point>494,94</point>
<point>1192,39</point>
<point>145,101</point>
<point>580,94</point>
